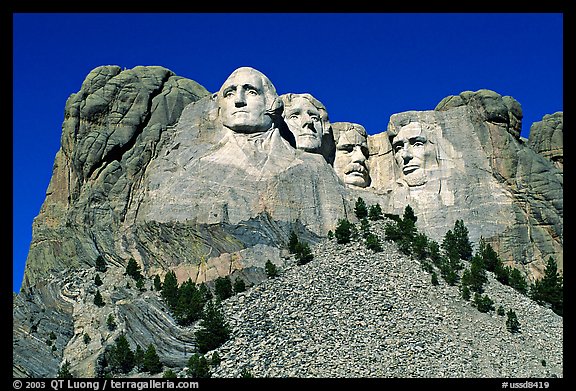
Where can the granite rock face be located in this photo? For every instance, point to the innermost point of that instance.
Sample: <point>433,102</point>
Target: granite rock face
<point>547,138</point>
<point>149,170</point>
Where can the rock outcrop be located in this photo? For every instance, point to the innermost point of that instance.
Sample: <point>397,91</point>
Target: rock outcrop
<point>148,169</point>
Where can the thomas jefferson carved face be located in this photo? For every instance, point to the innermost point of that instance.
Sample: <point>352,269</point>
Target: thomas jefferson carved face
<point>304,120</point>
<point>246,100</point>
<point>411,152</point>
<point>351,155</point>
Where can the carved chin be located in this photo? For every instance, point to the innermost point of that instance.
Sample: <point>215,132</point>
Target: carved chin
<point>356,180</point>
<point>416,178</point>
<point>309,144</point>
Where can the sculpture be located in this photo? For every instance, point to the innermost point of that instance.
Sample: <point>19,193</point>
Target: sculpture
<point>351,153</point>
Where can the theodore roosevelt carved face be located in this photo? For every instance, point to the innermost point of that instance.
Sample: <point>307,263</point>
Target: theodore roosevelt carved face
<point>351,154</point>
<point>247,100</point>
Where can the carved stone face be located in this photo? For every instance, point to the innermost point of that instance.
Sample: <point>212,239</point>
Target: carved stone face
<point>304,121</point>
<point>244,101</point>
<point>411,152</point>
<point>351,155</point>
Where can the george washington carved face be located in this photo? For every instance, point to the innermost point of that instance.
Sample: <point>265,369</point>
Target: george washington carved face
<point>246,100</point>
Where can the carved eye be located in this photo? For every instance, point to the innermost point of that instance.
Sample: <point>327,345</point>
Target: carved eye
<point>315,118</point>
<point>294,116</point>
<point>229,93</point>
<point>252,91</point>
<point>418,144</point>
<point>398,147</point>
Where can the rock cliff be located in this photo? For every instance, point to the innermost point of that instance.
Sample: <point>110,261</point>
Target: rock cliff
<point>149,170</point>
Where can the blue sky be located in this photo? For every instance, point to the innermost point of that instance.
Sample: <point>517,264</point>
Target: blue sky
<point>363,67</point>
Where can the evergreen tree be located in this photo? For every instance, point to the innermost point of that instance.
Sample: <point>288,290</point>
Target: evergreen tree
<point>170,290</point>
<point>483,303</point>
<point>97,280</point>
<point>100,264</point>
<point>152,363</point>
<point>239,285</point>
<point>330,235</point>
<point>98,299</point>
<point>223,288</point>
<point>157,283</point>
<point>465,292</point>
<point>475,277</point>
<point>372,243</point>
<point>189,304</point>
<point>517,280</point>
<point>512,323</point>
<point>490,259</point>
<point>215,360</point>
<point>139,358</point>
<point>292,242</point>
<point>121,356</point>
<point>64,371</point>
<point>87,338</point>
<point>420,246</point>
<point>343,231</point>
<point>246,374</point>
<point>360,209</point>
<point>303,253</point>
<point>364,227</point>
<point>375,212</point>
<point>111,323</point>
<point>214,330</point>
<point>434,252</point>
<point>435,279</point>
<point>198,367</point>
<point>205,293</point>
<point>549,289</point>
<point>271,269</point>
<point>463,244</point>
<point>169,374</point>
<point>500,311</point>
<point>133,270</point>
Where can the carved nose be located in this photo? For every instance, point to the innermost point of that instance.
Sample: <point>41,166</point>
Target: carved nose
<point>357,155</point>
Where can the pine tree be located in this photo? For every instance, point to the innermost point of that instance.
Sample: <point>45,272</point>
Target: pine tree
<point>216,359</point>
<point>549,289</point>
<point>303,253</point>
<point>292,242</point>
<point>463,244</point>
<point>343,231</point>
<point>121,356</point>
<point>375,212</point>
<point>97,280</point>
<point>111,323</point>
<point>170,290</point>
<point>98,299</point>
<point>489,257</point>
<point>133,270</point>
<point>139,358</point>
<point>271,269</point>
<point>152,363</point>
<point>517,280</point>
<point>420,246</point>
<point>483,303</point>
<point>512,323</point>
<point>214,330</point>
<point>157,283</point>
<point>360,209</point>
<point>198,367</point>
<point>189,304</point>
<point>475,277</point>
<point>372,243</point>
<point>64,371</point>
<point>223,288</point>
<point>239,285</point>
<point>169,374</point>
<point>100,264</point>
